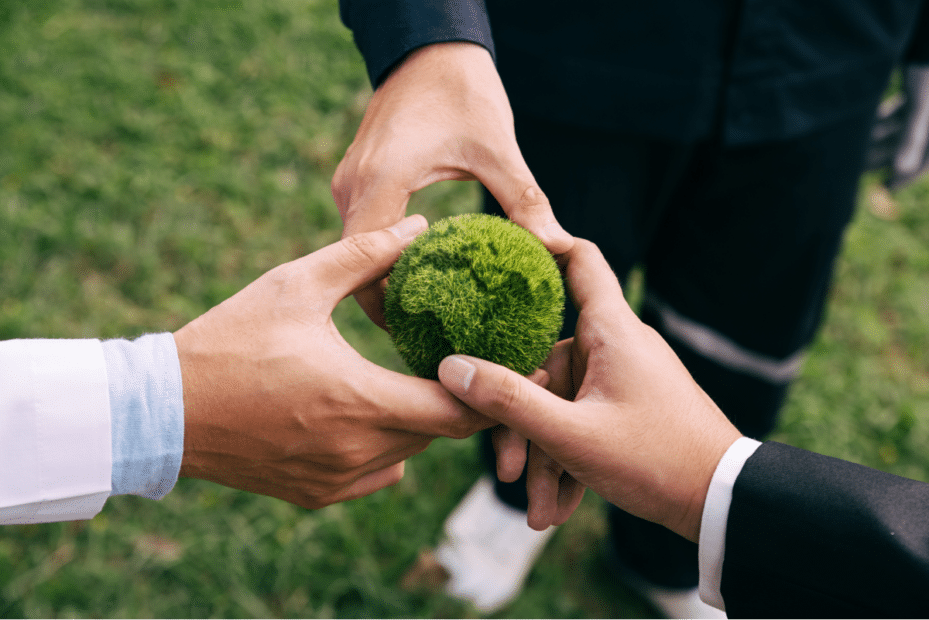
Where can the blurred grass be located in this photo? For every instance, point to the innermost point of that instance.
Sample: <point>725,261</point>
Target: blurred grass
<point>864,393</point>
<point>157,156</point>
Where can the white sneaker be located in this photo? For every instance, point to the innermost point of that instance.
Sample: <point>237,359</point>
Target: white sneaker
<point>488,549</point>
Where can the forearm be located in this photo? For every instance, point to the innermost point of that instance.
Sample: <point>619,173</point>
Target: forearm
<point>385,32</point>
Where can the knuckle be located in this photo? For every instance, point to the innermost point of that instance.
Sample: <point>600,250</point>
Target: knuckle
<point>324,496</point>
<point>313,496</point>
<point>510,394</point>
<point>311,502</point>
<point>339,192</point>
<point>464,427</point>
<point>339,179</point>
<point>359,171</point>
<point>345,457</point>
<point>533,200</point>
<point>585,246</point>
<point>350,461</point>
<point>344,180</point>
<point>396,474</point>
<point>361,251</point>
<point>278,281</point>
<point>552,468</point>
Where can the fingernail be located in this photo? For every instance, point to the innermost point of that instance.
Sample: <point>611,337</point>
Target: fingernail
<point>407,228</point>
<point>457,373</point>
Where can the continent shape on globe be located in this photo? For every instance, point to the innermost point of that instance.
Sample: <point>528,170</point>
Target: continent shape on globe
<point>477,285</point>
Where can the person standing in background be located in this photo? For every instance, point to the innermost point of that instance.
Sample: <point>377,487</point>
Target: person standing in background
<point>718,144</point>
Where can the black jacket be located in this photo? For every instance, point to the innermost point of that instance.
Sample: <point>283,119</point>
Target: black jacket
<point>817,537</point>
<point>746,70</point>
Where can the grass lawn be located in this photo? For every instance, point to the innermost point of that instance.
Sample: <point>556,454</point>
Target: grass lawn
<point>158,155</point>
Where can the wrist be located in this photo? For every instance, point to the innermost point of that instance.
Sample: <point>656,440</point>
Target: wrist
<point>385,32</point>
<point>194,402</point>
<point>438,59</point>
<point>703,469</point>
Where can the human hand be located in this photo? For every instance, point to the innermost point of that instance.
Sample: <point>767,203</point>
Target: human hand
<point>553,494</point>
<point>277,403</point>
<point>441,115</point>
<point>639,431</point>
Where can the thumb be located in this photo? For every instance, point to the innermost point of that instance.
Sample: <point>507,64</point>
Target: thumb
<point>511,399</point>
<point>342,268</point>
<point>379,205</point>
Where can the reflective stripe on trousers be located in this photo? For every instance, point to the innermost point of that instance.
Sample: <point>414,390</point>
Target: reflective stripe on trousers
<point>715,346</point>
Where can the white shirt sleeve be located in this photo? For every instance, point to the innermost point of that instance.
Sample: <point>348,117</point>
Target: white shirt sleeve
<point>712,549</point>
<point>55,444</point>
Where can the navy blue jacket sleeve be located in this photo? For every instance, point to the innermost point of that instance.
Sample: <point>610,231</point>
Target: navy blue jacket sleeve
<point>817,537</point>
<point>387,30</point>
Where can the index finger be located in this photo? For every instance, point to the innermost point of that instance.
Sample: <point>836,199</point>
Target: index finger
<point>423,406</point>
<point>373,206</point>
<point>526,204</point>
<point>590,279</point>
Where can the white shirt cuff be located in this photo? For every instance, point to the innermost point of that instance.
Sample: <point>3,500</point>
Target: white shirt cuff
<point>712,549</point>
<point>55,453</point>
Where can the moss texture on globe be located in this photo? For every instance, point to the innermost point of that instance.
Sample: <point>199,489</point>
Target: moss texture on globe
<point>477,285</point>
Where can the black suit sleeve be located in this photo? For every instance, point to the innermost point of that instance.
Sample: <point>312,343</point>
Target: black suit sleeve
<point>387,30</point>
<point>918,49</point>
<point>813,536</point>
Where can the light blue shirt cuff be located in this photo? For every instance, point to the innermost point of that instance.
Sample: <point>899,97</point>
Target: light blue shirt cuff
<point>147,414</point>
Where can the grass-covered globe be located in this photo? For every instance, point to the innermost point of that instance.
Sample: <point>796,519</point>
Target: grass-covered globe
<point>477,285</point>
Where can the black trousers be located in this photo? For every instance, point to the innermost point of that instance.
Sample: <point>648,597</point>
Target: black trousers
<point>737,247</point>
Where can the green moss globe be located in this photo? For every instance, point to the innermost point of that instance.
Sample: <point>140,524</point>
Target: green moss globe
<point>477,285</point>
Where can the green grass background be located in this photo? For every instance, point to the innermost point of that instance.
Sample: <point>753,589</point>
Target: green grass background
<point>158,155</point>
